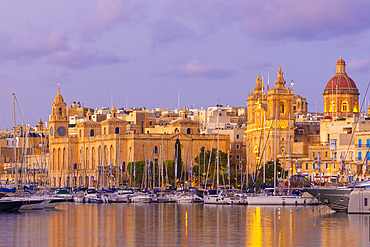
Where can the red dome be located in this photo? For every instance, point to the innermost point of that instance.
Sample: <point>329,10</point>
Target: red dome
<point>343,82</point>
<point>327,117</point>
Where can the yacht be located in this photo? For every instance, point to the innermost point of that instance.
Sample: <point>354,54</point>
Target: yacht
<point>336,198</point>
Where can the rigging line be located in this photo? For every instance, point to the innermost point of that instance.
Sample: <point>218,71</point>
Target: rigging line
<point>19,109</point>
<point>356,122</point>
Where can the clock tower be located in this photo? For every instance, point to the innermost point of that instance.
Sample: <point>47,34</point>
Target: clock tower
<point>58,120</point>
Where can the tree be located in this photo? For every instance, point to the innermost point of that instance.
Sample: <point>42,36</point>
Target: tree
<point>269,174</point>
<point>202,161</point>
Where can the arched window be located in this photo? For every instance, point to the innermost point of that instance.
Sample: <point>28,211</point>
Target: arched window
<point>188,131</point>
<point>332,106</point>
<point>117,130</point>
<point>345,107</point>
<point>283,106</point>
<point>155,149</point>
<point>92,133</point>
<point>176,130</point>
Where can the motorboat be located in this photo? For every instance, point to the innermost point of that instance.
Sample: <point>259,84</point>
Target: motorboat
<point>7,204</point>
<point>359,201</point>
<point>212,197</point>
<point>140,197</point>
<point>336,198</point>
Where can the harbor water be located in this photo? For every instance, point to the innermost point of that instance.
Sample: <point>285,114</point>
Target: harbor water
<point>164,224</point>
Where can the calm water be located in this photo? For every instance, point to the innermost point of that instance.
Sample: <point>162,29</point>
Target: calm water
<point>183,225</point>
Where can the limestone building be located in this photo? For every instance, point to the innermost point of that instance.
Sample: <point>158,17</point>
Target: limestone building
<point>91,151</point>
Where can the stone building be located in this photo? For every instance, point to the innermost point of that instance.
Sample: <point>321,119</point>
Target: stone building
<point>91,151</point>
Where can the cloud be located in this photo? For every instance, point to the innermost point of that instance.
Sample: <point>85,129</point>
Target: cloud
<point>196,69</point>
<point>25,49</point>
<point>359,65</point>
<point>109,13</point>
<point>276,20</point>
<point>169,31</point>
<point>78,57</point>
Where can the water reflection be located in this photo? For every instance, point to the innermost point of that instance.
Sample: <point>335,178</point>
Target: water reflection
<point>183,224</point>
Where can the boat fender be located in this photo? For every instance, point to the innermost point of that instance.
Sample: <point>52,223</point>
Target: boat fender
<point>296,203</point>
<point>304,202</point>
<point>283,203</point>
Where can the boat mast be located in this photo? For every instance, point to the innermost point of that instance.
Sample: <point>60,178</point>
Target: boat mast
<point>264,141</point>
<point>275,153</point>
<point>14,147</point>
<point>218,142</point>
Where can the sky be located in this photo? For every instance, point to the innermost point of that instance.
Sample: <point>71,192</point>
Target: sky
<point>145,53</point>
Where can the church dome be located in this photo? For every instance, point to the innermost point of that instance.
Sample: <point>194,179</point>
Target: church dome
<point>341,82</point>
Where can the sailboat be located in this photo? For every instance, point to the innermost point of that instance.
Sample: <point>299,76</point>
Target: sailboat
<point>216,196</point>
<point>277,199</point>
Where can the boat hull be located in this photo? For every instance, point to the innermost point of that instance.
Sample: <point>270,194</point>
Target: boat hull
<point>335,198</point>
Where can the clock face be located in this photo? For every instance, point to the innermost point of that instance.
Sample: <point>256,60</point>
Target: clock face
<point>51,131</point>
<point>61,131</point>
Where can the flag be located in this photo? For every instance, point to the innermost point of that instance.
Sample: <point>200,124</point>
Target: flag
<point>366,164</point>
<point>149,168</point>
<point>296,163</point>
<point>262,84</point>
<point>268,82</point>
<point>319,161</point>
<point>110,169</point>
<point>191,170</point>
<point>228,167</point>
<point>134,169</point>
<point>343,165</point>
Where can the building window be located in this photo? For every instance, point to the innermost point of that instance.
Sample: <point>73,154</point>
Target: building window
<point>335,156</point>
<point>368,143</point>
<point>345,106</point>
<point>368,155</point>
<point>237,137</point>
<point>365,202</point>
<point>326,166</point>
<point>117,130</point>
<point>326,154</point>
<point>237,146</point>
<point>313,166</point>
<point>313,154</point>
<point>306,166</point>
<point>237,156</point>
<point>332,107</point>
<point>188,131</point>
<point>92,133</point>
<point>155,149</point>
<point>359,156</point>
<point>359,143</point>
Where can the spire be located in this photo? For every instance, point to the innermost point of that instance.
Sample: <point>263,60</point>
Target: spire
<point>58,97</point>
<point>280,82</point>
<point>88,114</point>
<point>185,113</point>
<point>114,112</point>
<point>258,87</point>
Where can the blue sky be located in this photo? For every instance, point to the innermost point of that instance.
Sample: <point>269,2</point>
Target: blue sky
<point>148,51</point>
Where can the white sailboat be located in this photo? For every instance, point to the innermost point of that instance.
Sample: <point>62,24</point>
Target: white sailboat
<point>277,199</point>
<point>219,197</point>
